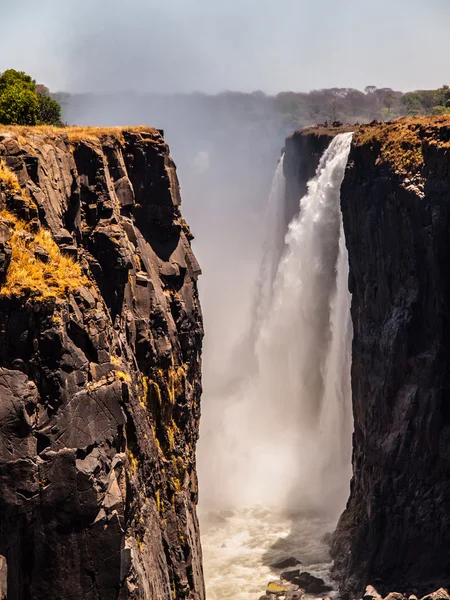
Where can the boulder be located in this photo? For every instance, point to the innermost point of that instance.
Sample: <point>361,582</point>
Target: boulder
<point>280,588</point>
<point>310,583</point>
<point>285,563</point>
<point>371,593</point>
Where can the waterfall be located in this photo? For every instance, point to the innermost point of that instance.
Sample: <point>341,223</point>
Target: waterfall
<point>282,440</point>
<point>283,425</point>
<point>273,247</point>
<point>304,342</point>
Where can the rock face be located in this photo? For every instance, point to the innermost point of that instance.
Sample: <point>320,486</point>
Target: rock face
<point>396,209</point>
<point>303,151</point>
<point>395,199</point>
<point>100,343</point>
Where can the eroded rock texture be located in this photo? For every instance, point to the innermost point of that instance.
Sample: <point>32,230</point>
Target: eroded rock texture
<point>395,531</point>
<point>99,384</point>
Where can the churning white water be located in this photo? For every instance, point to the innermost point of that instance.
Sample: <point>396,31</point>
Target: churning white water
<point>283,428</point>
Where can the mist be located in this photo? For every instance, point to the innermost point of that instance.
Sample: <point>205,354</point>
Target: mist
<point>246,45</point>
<point>143,62</point>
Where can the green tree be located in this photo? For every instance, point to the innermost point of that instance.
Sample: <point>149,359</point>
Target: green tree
<point>12,77</point>
<point>438,110</point>
<point>24,103</point>
<point>49,110</point>
<point>412,102</point>
<point>18,106</point>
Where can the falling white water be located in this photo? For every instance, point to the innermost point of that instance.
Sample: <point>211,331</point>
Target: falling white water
<point>284,434</point>
<point>273,246</point>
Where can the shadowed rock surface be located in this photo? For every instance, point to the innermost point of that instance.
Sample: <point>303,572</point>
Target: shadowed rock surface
<point>395,201</point>
<point>303,151</point>
<point>99,382</point>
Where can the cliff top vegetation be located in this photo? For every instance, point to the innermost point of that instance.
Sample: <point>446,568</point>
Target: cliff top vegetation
<point>287,110</point>
<point>38,268</point>
<point>401,142</point>
<point>23,102</point>
<point>76,133</point>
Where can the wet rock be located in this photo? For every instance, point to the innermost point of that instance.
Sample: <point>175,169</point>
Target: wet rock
<point>290,575</point>
<point>297,595</point>
<point>311,584</point>
<point>285,563</point>
<point>280,588</point>
<point>318,587</point>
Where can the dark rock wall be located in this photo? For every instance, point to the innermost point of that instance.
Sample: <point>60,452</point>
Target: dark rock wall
<point>395,531</point>
<point>303,151</point>
<point>100,388</point>
<point>396,527</point>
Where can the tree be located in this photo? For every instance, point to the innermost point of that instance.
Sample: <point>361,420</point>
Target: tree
<point>11,77</point>
<point>49,110</point>
<point>18,106</point>
<point>412,103</point>
<point>24,103</point>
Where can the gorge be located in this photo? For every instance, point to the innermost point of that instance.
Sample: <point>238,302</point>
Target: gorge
<point>101,369</point>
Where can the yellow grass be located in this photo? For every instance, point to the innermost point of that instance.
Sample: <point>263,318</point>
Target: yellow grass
<point>400,142</point>
<point>28,275</point>
<point>77,134</point>
<point>9,179</point>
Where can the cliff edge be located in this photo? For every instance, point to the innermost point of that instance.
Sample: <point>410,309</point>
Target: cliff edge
<point>100,344</point>
<point>395,200</point>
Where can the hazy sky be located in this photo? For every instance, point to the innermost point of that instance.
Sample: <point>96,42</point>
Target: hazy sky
<point>210,45</point>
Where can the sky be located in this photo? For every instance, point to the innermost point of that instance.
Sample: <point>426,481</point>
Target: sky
<point>210,45</point>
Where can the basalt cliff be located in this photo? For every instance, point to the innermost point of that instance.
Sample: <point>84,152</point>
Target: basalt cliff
<point>100,343</point>
<point>395,200</point>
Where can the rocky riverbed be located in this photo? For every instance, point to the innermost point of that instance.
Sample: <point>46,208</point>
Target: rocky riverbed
<point>245,549</point>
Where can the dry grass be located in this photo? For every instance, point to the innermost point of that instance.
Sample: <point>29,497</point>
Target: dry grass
<point>400,142</point>
<point>9,179</point>
<point>76,134</point>
<point>28,275</point>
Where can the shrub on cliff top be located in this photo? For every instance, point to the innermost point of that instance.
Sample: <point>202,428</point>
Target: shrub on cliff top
<point>24,103</point>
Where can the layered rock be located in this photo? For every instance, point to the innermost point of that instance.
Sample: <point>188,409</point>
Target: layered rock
<point>100,342</point>
<point>395,201</point>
